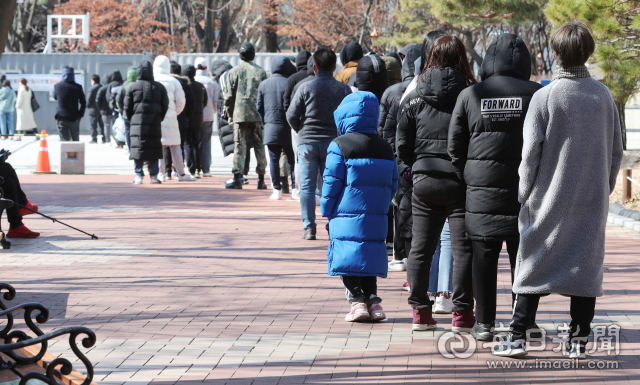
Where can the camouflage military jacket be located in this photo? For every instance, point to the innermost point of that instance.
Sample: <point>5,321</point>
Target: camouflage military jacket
<point>242,92</point>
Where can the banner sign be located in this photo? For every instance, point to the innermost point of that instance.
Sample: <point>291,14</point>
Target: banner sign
<point>39,82</point>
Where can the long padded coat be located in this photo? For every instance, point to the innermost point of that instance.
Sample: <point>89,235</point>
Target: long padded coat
<point>177,100</point>
<point>360,179</point>
<point>145,105</point>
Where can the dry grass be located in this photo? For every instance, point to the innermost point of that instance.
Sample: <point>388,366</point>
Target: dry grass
<point>634,203</point>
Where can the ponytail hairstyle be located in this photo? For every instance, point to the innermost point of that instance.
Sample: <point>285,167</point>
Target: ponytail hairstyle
<point>449,51</point>
<point>23,81</point>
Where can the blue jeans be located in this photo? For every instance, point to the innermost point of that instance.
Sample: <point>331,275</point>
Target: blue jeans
<point>311,159</point>
<point>153,167</point>
<point>6,121</point>
<point>205,141</point>
<point>441,273</point>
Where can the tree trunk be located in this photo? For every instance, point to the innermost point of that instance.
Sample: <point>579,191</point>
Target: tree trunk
<point>225,28</point>
<point>271,26</point>
<point>364,22</point>
<point>6,19</point>
<point>620,104</point>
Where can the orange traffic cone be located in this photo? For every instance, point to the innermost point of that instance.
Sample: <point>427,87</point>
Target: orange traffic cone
<point>43,166</point>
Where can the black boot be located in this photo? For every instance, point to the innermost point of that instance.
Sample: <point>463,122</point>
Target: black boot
<point>261,185</point>
<point>236,184</point>
<point>285,186</point>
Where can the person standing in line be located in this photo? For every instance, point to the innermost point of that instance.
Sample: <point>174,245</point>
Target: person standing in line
<point>145,106</point>
<point>26,122</point>
<point>105,110</point>
<point>7,108</point>
<point>394,68</point>
<point>438,193</point>
<point>349,57</point>
<point>71,106</point>
<point>360,179</point>
<point>240,100</point>
<point>192,138</point>
<point>170,125</point>
<point>485,145</point>
<point>183,121</point>
<point>570,161</point>
<point>94,111</point>
<point>311,116</point>
<point>115,81</point>
<point>209,115</point>
<point>132,77</point>
<point>277,133</point>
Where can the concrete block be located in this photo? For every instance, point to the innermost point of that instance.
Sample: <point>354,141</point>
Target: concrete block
<point>71,158</point>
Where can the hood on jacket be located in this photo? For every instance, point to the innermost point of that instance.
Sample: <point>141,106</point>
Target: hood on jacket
<point>145,70</point>
<point>441,86</point>
<point>116,76</point>
<point>358,112</point>
<point>403,52</point>
<point>429,38</point>
<point>395,56</point>
<point>302,59</point>
<point>310,63</point>
<point>161,66</point>
<point>106,80</point>
<point>507,55</point>
<point>218,67</point>
<point>351,52</point>
<point>372,76</point>
<point>67,75</point>
<point>394,69</point>
<point>189,71</point>
<point>132,75</point>
<point>408,66</point>
<point>282,65</point>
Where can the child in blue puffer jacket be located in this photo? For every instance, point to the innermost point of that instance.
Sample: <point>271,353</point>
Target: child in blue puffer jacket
<point>360,179</point>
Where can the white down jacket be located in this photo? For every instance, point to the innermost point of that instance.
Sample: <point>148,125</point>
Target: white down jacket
<point>170,128</point>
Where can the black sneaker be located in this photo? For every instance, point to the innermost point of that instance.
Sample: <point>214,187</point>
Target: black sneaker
<point>510,348</point>
<point>236,184</point>
<point>309,234</point>
<point>261,184</point>
<point>535,331</point>
<point>482,331</point>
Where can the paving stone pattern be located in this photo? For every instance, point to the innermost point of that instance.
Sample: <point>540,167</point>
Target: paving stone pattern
<point>190,283</point>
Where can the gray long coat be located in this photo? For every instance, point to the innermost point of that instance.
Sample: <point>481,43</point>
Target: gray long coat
<point>570,160</point>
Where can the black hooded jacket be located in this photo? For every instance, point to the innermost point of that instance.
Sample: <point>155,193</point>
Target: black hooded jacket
<point>115,80</point>
<point>102,101</point>
<point>371,76</point>
<point>200,97</point>
<point>218,68</point>
<point>423,122</point>
<point>225,130</point>
<point>270,106</point>
<point>302,65</point>
<point>145,105</point>
<point>485,139</point>
<point>190,104</point>
<point>310,76</point>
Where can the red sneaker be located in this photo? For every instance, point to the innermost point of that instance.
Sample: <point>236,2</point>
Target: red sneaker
<point>22,232</point>
<point>33,207</point>
<point>462,321</point>
<point>422,320</point>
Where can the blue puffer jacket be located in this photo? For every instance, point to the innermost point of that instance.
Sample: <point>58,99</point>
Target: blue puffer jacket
<point>360,178</point>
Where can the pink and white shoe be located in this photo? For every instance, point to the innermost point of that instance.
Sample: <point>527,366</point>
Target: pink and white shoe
<point>359,312</point>
<point>376,313</point>
<point>405,287</point>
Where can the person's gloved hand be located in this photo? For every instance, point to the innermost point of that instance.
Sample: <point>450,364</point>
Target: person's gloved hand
<point>407,174</point>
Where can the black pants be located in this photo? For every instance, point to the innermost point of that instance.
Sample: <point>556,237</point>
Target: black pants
<point>13,191</point>
<point>390,227</point>
<point>127,133</point>
<point>361,289</point>
<point>433,201</point>
<point>582,311</point>
<point>97,126</point>
<point>193,150</point>
<point>68,131</point>
<point>274,164</point>
<point>399,252</point>
<point>485,276</point>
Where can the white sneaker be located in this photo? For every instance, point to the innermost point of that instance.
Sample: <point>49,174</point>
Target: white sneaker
<point>376,313</point>
<point>137,180</point>
<point>396,265</point>
<point>574,350</point>
<point>276,195</point>
<point>295,194</point>
<point>154,180</point>
<point>186,178</point>
<point>509,348</point>
<point>359,312</point>
<point>443,305</point>
<point>161,177</point>
<point>207,174</point>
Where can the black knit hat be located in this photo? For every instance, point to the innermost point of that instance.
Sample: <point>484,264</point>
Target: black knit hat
<point>247,51</point>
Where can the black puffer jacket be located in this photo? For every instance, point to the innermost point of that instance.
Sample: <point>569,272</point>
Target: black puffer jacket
<point>225,130</point>
<point>92,99</point>
<point>145,105</point>
<point>103,102</point>
<point>200,97</point>
<point>371,75</point>
<point>423,122</point>
<point>485,139</point>
<point>269,104</point>
<point>301,65</point>
<point>219,67</point>
<point>394,93</point>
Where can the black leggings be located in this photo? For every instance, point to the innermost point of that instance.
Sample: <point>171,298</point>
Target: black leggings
<point>362,289</point>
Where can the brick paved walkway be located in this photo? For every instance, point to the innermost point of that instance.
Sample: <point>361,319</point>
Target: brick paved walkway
<point>190,283</point>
